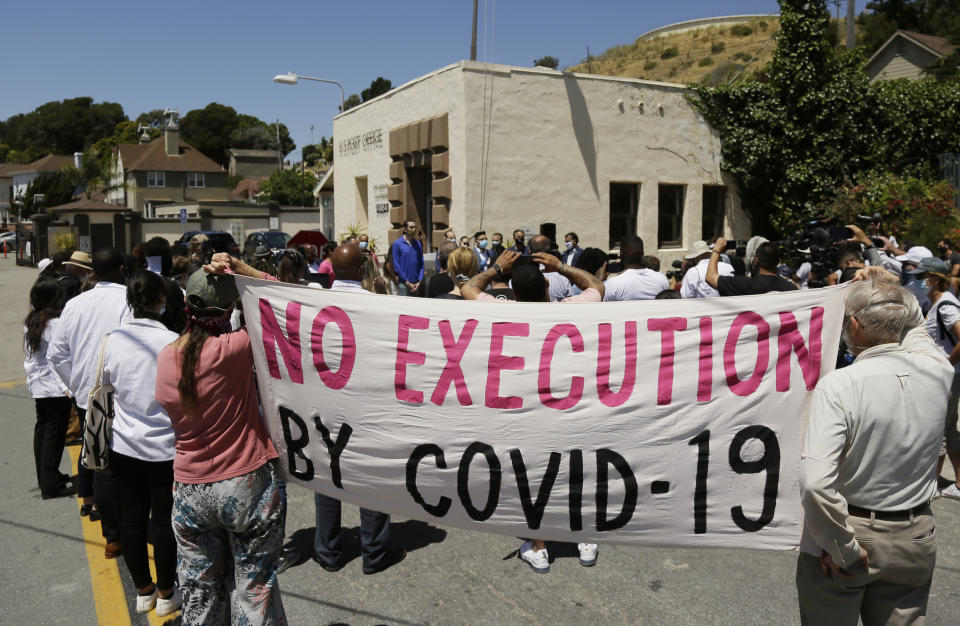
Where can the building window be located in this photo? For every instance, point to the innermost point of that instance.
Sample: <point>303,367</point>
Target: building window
<point>624,201</point>
<point>195,180</point>
<point>713,210</point>
<point>156,179</point>
<point>670,229</point>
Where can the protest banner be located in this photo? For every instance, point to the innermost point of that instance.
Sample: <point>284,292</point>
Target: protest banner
<point>666,423</point>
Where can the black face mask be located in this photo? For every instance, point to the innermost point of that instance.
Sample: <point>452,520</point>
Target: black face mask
<point>519,241</point>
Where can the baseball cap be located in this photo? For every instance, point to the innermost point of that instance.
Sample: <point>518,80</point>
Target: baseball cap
<point>210,294</point>
<point>80,259</point>
<point>930,264</point>
<point>261,252</point>
<point>915,254</point>
<point>42,265</point>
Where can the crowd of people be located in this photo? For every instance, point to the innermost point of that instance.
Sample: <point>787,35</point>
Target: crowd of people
<point>191,457</point>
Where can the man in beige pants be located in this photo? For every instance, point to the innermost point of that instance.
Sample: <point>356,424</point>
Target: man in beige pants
<point>868,467</point>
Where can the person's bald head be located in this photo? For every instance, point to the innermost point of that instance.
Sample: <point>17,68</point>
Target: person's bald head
<point>347,261</point>
<point>539,243</point>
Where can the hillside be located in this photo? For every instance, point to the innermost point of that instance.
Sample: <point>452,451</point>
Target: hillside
<point>711,53</point>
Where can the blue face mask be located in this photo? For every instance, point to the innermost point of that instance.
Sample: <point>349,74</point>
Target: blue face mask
<point>163,309</point>
<point>363,245</point>
<point>482,243</point>
<point>569,245</point>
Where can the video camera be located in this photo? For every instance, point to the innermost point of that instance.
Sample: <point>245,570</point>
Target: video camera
<point>678,271</point>
<point>816,244</point>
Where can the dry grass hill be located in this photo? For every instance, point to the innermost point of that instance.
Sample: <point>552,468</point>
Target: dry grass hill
<point>713,54</point>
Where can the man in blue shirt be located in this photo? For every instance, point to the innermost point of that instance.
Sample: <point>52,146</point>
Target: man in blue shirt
<point>407,254</point>
<point>480,249</point>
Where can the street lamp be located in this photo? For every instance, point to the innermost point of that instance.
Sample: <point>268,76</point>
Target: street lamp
<point>291,79</point>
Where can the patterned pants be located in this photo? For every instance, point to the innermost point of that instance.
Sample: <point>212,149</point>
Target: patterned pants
<point>241,518</point>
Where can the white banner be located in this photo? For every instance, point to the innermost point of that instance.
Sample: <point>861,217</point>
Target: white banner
<point>668,423</point>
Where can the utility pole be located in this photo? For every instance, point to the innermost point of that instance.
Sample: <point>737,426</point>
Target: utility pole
<point>473,37</point>
<point>836,4</point>
<point>279,151</point>
<point>851,16</point>
<point>589,64</point>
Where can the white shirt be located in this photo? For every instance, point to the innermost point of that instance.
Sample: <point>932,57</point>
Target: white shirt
<point>803,274</point>
<point>348,285</point>
<point>949,308</point>
<point>873,439</point>
<point>42,381</point>
<point>141,428</point>
<point>695,284</point>
<point>76,341</point>
<point>560,286</point>
<point>641,284</point>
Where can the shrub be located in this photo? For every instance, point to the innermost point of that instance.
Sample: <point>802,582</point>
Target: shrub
<point>742,56</point>
<point>741,30</point>
<point>65,242</point>
<point>763,25</point>
<point>649,65</point>
<point>705,61</point>
<point>670,53</point>
<point>717,47</point>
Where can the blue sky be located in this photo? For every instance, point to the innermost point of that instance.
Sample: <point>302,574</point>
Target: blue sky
<point>184,55</point>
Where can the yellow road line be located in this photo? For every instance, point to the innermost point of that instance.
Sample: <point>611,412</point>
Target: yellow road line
<point>108,595</point>
<point>10,384</point>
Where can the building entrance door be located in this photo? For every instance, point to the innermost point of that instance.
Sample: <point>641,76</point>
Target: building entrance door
<point>420,182</point>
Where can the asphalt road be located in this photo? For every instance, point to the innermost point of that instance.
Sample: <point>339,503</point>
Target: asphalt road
<point>449,575</point>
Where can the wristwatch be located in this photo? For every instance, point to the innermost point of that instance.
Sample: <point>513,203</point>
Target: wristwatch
<point>499,270</point>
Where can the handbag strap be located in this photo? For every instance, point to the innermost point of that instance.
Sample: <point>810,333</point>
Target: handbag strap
<point>103,345</point>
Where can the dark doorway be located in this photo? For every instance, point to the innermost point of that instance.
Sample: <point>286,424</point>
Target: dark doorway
<point>713,210</point>
<point>624,200</point>
<point>101,236</point>
<point>420,181</point>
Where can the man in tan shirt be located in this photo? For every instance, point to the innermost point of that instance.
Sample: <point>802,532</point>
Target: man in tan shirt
<point>868,466</point>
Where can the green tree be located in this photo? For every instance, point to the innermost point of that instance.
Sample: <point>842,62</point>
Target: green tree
<point>57,188</point>
<point>208,129</point>
<point>547,61</point>
<point>289,187</point>
<point>351,101</point>
<point>154,118</point>
<point>378,86</point>
<point>60,127</point>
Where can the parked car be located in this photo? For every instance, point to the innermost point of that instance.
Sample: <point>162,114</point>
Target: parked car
<point>8,241</point>
<point>220,241</point>
<point>272,240</point>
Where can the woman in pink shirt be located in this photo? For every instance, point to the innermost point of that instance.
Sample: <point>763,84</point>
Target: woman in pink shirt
<point>227,503</point>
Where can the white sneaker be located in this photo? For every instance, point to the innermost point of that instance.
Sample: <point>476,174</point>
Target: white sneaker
<point>588,554</point>
<point>166,606</point>
<point>951,492</point>
<point>536,559</point>
<point>146,603</point>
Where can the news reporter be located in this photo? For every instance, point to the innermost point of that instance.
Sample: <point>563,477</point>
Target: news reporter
<point>764,278</point>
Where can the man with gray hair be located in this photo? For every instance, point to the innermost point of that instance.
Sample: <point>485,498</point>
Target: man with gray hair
<point>868,466</point>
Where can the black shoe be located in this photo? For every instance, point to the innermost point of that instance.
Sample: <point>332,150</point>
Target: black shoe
<point>62,492</point>
<point>93,513</point>
<point>336,567</point>
<point>392,559</point>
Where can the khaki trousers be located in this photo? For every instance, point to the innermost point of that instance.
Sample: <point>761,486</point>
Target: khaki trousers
<point>893,591</point>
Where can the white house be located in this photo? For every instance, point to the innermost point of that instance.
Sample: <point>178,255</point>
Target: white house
<point>476,146</point>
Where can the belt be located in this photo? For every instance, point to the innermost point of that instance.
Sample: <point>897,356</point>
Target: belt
<point>890,516</point>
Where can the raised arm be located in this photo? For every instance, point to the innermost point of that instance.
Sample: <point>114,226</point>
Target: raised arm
<point>583,280</point>
<point>713,269</point>
<point>478,284</point>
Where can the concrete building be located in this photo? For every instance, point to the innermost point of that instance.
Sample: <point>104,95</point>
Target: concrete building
<point>253,163</point>
<point>477,146</point>
<point>906,55</point>
<point>162,171</point>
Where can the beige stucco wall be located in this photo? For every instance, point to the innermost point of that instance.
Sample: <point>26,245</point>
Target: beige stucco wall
<point>175,190</point>
<point>531,146</point>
